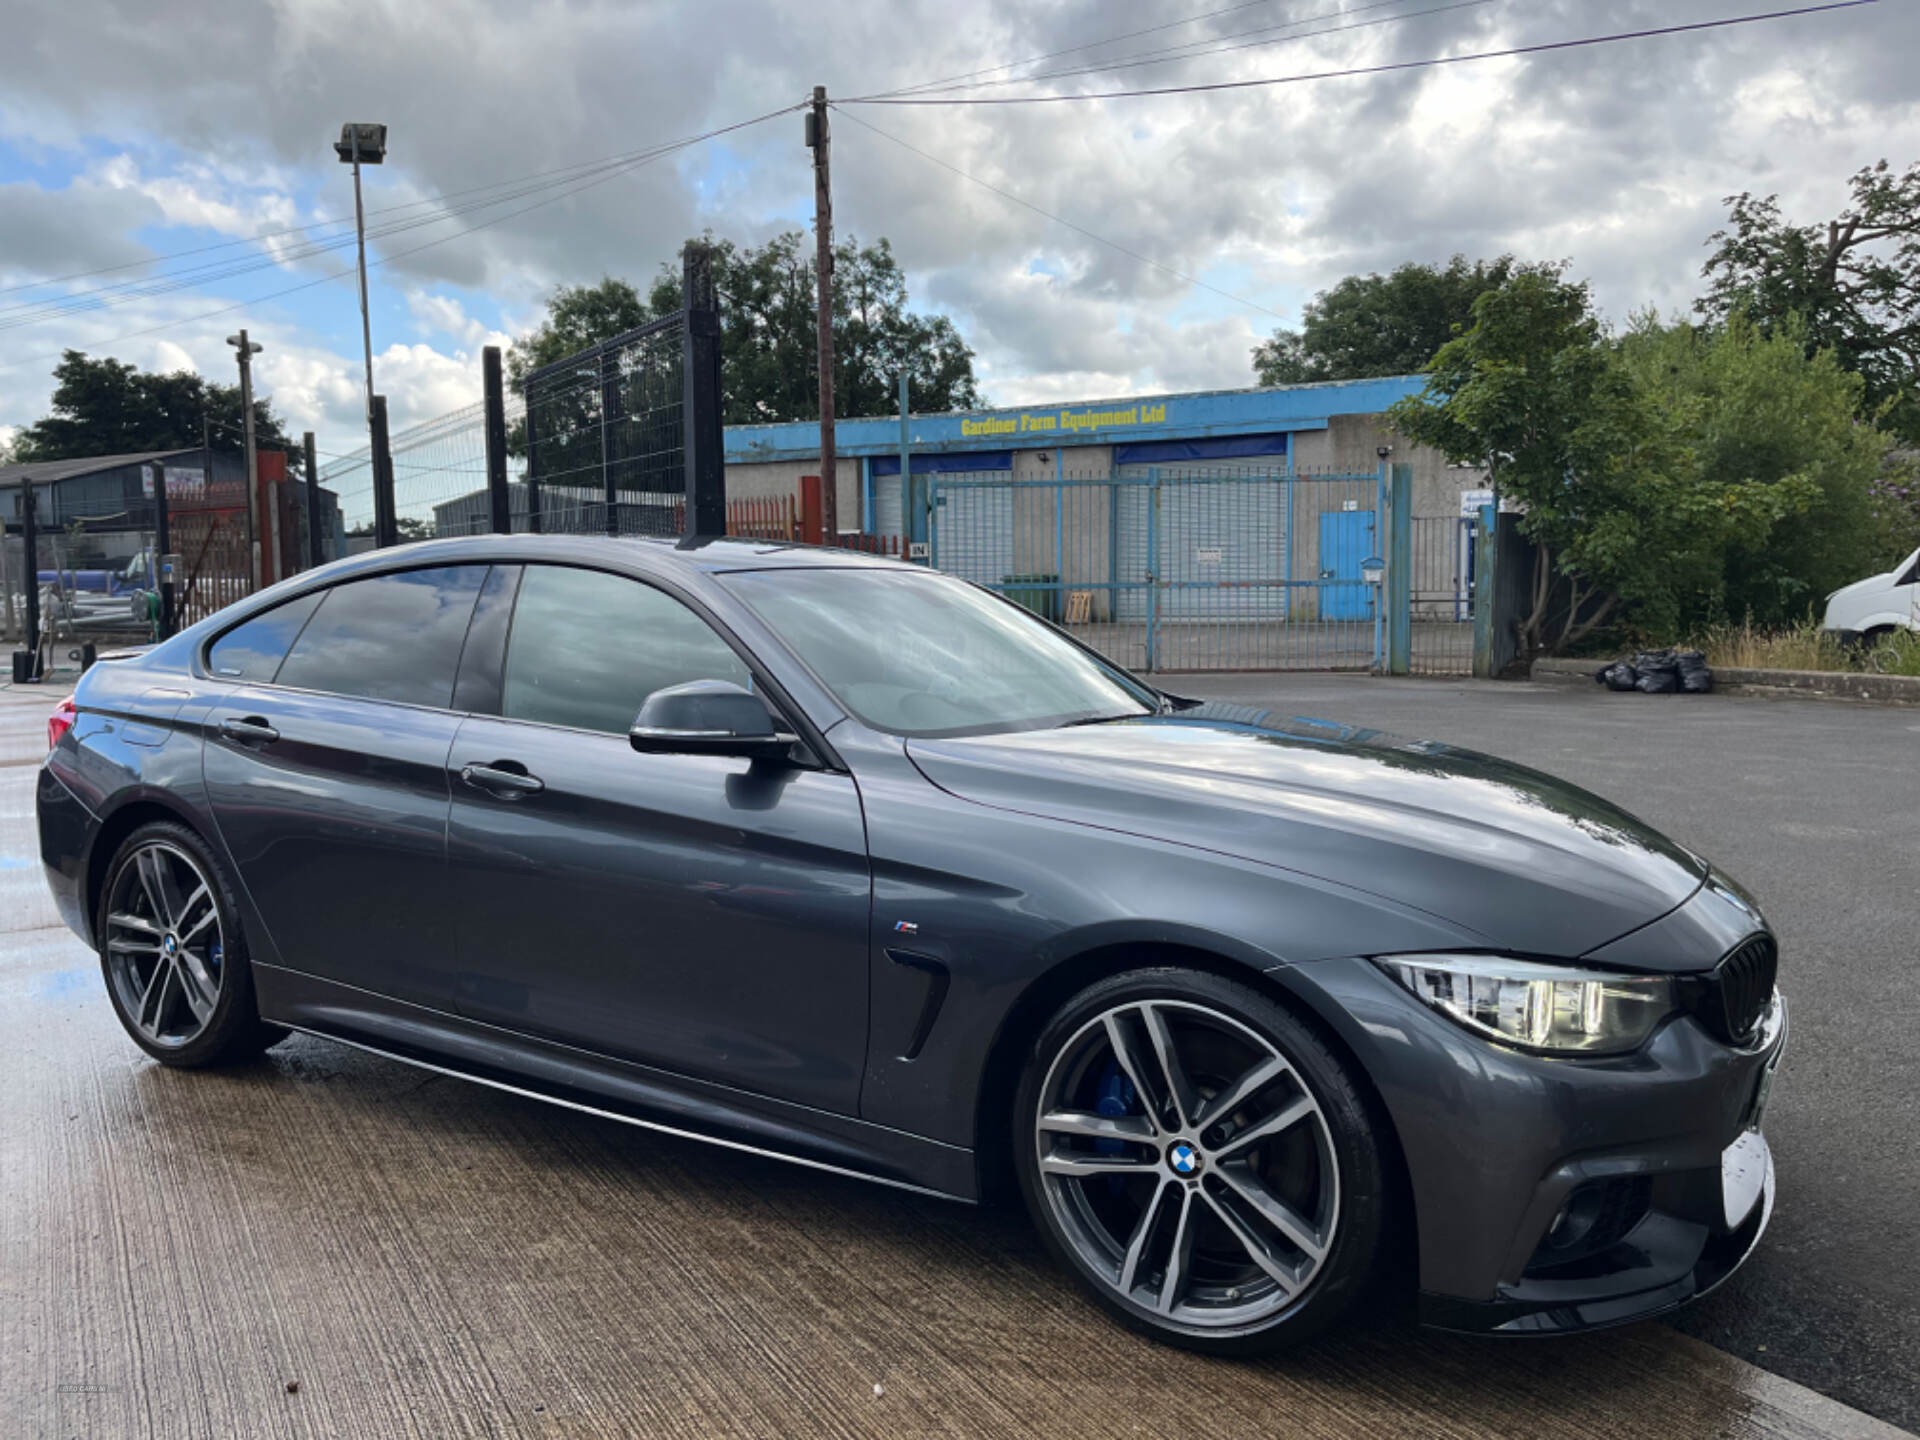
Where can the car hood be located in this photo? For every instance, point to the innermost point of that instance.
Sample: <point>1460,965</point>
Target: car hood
<point>1535,865</point>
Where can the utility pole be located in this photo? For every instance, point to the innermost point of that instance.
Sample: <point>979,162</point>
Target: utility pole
<point>823,263</point>
<point>248,349</point>
<point>314,547</point>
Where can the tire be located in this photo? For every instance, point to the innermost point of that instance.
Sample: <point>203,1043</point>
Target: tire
<point>187,1004</point>
<point>1258,1170</point>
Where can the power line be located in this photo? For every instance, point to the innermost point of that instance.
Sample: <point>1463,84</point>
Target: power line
<point>1387,69</point>
<point>33,312</point>
<point>956,80</point>
<point>1201,48</point>
<point>1188,50</point>
<point>566,172</point>
<point>1062,220</point>
<point>416,249</point>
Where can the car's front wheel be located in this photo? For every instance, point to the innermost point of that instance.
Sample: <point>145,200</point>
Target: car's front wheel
<point>1201,1160</point>
<point>173,953</point>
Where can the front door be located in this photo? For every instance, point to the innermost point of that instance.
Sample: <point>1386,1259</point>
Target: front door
<point>704,915</point>
<point>326,772</point>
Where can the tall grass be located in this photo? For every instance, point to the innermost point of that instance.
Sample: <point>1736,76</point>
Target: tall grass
<point>1806,647</point>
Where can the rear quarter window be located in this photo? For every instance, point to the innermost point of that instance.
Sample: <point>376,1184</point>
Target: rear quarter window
<point>254,650</point>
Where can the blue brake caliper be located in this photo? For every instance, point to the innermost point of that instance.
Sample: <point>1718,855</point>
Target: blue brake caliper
<point>1114,1098</point>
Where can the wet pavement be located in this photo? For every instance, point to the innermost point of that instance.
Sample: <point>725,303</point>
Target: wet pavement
<point>327,1243</point>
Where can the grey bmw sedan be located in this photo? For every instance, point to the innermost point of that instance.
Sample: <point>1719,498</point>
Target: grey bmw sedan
<point>848,862</point>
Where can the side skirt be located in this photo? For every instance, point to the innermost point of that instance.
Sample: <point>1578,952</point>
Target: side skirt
<point>615,1090</point>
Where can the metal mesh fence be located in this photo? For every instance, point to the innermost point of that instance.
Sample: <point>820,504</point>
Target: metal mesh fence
<point>604,438</point>
<point>595,445</point>
<point>439,477</point>
<point>1179,568</point>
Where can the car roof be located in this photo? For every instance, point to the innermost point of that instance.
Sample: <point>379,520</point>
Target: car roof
<point>644,553</point>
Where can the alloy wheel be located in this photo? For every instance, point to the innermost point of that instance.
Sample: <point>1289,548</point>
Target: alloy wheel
<point>1188,1165</point>
<point>166,947</point>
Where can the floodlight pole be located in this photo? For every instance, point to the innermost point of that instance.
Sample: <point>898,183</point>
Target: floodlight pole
<point>363,143</point>
<point>360,231</point>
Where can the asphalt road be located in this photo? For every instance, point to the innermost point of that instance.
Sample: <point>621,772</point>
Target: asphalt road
<point>1814,807</point>
<point>327,1243</point>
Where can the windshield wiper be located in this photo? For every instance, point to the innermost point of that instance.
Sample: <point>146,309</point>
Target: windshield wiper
<point>1104,719</point>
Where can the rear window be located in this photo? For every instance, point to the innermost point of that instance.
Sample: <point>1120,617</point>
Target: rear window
<point>253,651</point>
<point>388,637</point>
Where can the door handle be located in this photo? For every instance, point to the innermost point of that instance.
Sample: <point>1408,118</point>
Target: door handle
<point>252,730</point>
<point>500,780</point>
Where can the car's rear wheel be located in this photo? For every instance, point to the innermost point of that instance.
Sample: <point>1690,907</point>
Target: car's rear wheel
<point>173,953</point>
<point>1201,1160</point>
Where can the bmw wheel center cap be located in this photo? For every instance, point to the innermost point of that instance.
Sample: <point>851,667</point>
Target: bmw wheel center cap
<point>1184,1160</point>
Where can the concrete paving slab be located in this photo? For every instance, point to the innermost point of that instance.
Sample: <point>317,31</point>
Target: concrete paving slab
<point>327,1243</point>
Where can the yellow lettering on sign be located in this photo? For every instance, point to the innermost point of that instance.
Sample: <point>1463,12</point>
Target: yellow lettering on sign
<point>1032,423</point>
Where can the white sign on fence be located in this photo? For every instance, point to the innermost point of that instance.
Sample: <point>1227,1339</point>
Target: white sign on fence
<point>1207,557</point>
<point>1472,501</point>
<point>183,483</point>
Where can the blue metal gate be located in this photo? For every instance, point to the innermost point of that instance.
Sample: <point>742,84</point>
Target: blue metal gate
<point>1176,568</point>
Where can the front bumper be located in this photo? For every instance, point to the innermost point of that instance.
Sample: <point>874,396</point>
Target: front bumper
<point>1501,1147</point>
<point>1680,1238</point>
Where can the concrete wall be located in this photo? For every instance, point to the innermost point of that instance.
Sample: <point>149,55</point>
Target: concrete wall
<point>1352,443</point>
<point>782,477</point>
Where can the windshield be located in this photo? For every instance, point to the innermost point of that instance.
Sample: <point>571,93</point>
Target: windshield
<point>912,652</point>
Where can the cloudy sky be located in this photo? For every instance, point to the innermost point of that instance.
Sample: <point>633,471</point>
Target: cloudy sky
<point>164,139</point>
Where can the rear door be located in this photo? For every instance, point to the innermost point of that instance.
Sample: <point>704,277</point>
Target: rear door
<point>704,915</point>
<point>326,774</point>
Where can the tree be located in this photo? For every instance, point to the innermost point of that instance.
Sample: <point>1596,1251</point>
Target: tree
<point>1622,517</point>
<point>102,407</point>
<point>578,317</point>
<point>1373,325</point>
<point>768,346</point>
<point>1853,283</point>
<point>1747,409</point>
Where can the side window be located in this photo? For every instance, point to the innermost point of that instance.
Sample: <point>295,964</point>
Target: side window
<point>587,649</point>
<point>253,651</point>
<point>388,637</point>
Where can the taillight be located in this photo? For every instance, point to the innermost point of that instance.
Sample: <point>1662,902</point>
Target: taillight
<point>60,721</point>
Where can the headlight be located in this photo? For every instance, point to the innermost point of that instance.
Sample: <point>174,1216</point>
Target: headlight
<point>1541,1007</point>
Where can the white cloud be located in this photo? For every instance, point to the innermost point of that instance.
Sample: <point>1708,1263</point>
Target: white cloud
<point>169,357</point>
<point>1616,158</point>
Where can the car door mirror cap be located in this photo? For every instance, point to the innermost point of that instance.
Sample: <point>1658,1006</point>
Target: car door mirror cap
<point>709,717</point>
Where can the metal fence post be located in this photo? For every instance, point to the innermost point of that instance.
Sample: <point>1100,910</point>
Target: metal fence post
<point>1286,608</point>
<point>386,528</point>
<point>316,552</point>
<point>162,546</point>
<point>534,521</point>
<point>1153,565</point>
<point>30,580</point>
<point>704,437</point>
<point>609,395</point>
<point>1400,573</point>
<point>499,504</point>
<point>932,520</point>
<point>1485,551</point>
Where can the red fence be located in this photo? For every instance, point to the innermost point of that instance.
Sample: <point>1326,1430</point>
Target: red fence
<point>798,521</point>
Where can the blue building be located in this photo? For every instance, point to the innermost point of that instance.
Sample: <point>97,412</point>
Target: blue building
<point>1309,429</point>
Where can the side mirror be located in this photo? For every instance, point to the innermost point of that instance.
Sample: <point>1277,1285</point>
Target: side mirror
<point>708,717</point>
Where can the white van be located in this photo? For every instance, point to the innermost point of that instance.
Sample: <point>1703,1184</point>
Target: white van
<point>1870,608</point>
